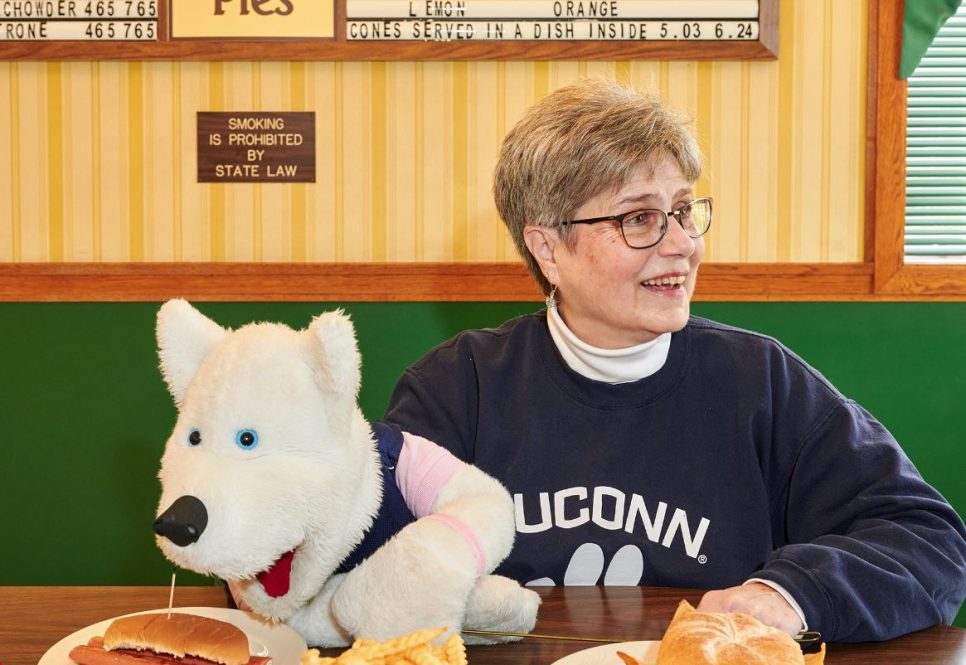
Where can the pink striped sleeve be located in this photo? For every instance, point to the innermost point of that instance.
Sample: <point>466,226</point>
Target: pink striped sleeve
<point>423,469</point>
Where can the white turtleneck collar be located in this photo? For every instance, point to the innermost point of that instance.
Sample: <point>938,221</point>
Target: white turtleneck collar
<point>607,365</point>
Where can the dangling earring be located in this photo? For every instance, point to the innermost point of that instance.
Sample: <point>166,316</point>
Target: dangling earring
<point>551,301</point>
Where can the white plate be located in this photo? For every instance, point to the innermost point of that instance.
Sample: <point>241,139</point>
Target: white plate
<point>277,640</point>
<point>606,654</point>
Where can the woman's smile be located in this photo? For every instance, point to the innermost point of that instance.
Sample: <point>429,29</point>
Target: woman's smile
<point>667,285</point>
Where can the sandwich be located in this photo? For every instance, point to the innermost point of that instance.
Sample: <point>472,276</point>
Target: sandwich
<point>713,638</point>
<point>168,639</point>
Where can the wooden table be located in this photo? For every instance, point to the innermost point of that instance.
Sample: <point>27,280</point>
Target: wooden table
<point>34,618</point>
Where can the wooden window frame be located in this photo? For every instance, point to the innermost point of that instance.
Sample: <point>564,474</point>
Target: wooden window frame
<point>882,275</point>
<point>888,99</point>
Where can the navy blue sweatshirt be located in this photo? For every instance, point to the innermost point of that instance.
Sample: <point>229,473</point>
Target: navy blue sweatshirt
<point>735,460</point>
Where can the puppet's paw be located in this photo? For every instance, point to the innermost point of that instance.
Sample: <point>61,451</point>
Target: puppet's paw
<point>315,621</point>
<point>500,604</point>
<point>402,587</point>
<point>250,597</point>
<point>368,615</point>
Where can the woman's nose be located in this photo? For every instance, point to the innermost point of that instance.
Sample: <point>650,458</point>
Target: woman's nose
<point>676,242</point>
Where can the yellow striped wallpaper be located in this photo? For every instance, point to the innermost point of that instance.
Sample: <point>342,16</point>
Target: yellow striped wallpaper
<point>98,159</point>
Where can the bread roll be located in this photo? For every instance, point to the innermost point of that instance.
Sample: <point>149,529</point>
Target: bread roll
<point>710,638</point>
<point>180,635</point>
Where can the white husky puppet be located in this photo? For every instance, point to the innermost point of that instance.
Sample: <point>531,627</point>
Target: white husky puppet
<point>273,480</point>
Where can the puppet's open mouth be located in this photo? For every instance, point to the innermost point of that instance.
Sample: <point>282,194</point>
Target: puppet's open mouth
<point>277,579</point>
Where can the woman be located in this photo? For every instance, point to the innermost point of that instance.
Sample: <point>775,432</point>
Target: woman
<point>645,446</point>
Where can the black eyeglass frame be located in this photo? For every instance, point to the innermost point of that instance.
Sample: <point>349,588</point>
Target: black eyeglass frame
<point>676,214</point>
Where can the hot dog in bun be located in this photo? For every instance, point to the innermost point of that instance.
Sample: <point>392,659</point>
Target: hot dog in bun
<point>163,639</point>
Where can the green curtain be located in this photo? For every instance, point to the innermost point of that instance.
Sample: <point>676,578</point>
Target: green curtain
<point>920,23</point>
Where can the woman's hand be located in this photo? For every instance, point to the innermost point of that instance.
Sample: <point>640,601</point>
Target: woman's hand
<point>758,600</point>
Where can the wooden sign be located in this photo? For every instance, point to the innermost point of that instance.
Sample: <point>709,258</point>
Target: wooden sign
<point>252,18</point>
<point>388,29</point>
<point>256,147</point>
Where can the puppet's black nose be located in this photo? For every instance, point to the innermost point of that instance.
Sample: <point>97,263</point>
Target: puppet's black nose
<point>183,522</point>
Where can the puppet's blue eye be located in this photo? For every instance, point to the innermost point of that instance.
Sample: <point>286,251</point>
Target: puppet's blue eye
<point>194,438</point>
<point>246,439</point>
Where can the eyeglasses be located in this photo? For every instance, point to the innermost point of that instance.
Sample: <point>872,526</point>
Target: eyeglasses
<point>645,228</point>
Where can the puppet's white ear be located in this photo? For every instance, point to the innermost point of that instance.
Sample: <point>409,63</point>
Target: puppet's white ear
<point>185,336</point>
<point>337,352</point>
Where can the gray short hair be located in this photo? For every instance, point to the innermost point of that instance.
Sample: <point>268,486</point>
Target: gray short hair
<point>581,140</point>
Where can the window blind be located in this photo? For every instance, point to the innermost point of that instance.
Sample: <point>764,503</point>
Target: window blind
<point>936,150</point>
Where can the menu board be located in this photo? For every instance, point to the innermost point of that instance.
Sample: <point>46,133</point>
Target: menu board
<point>79,20</point>
<point>522,20</point>
<point>388,29</point>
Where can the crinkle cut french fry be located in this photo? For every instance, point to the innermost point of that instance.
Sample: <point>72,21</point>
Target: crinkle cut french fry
<point>423,655</point>
<point>312,657</point>
<point>455,650</point>
<point>414,648</point>
<point>399,644</point>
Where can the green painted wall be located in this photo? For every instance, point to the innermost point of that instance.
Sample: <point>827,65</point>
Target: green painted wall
<point>84,412</point>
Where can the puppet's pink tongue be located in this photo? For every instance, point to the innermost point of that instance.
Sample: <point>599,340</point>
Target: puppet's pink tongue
<point>276,579</point>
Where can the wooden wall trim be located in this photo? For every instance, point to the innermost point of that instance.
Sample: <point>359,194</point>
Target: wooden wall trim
<point>888,102</point>
<point>348,282</point>
<point>742,282</point>
<point>871,118</point>
<point>890,150</point>
<point>395,282</point>
<point>207,50</point>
